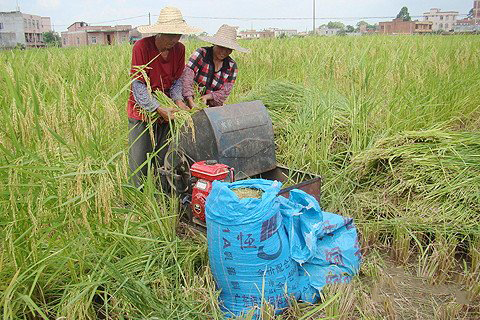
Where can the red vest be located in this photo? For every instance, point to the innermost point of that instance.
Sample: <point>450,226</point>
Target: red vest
<point>161,72</point>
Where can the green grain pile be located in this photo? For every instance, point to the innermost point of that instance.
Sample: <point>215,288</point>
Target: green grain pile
<point>243,193</point>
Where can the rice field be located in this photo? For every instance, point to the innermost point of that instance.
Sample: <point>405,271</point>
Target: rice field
<point>391,123</point>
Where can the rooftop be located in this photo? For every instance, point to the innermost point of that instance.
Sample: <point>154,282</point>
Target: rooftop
<point>435,10</point>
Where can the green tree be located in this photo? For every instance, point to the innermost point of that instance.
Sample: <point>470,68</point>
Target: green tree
<point>350,29</point>
<point>369,26</point>
<point>335,25</point>
<point>51,38</point>
<point>404,15</point>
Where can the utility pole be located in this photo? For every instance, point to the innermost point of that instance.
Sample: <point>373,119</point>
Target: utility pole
<point>314,17</point>
<point>149,22</point>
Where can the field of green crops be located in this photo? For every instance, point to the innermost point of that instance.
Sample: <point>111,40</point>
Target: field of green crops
<point>391,123</point>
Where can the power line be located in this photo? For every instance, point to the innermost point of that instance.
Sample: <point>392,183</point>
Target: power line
<point>252,18</point>
<point>300,18</point>
<point>141,16</point>
<point>107,21</point>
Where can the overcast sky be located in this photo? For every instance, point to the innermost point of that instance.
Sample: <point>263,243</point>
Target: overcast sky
<point>65,12</point>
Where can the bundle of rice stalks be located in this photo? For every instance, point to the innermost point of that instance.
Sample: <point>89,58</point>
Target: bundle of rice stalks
<point>182,117</point>
<point>282,99</point>
<point>425,180</point>
<point>280,95</point>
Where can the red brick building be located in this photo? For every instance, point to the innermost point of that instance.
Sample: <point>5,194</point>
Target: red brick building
<point>81,34</point>
<point>398,26</point>
<point>476,10</point>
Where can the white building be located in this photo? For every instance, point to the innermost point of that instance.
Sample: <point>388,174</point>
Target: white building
<point>326,31</point>
<point>24,29</point>
<point>254,34</point>
<point>283,32</point>
<point>442,20</point>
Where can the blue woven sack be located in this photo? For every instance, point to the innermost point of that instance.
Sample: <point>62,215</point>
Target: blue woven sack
<point>248,248</point>
<point>324,244</point>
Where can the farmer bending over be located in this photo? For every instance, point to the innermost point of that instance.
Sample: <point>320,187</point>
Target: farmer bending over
<point>212,69</point>
<point>164,56</point>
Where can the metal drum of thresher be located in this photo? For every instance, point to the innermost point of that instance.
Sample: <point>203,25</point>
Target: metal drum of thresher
<point>238,135</point>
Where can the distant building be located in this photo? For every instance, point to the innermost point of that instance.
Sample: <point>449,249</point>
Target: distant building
<point>365,28</point>
<point>466,26</point>
<point>134,35</point>
<point>398,26</point>
<point>254,34</point>
<point>23,29</point>
<point>81,34</point>
<point>283,32</point>
<point>442,20</point>
<point>362,27</point>
<point>476,11</point>
<point>469,25</point>
<point>326,31</point>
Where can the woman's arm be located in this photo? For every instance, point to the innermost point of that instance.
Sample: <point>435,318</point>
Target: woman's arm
<point>194,64</point>
<point>176,94</point>
<point>176,90</point>
<point>142,97</point>
<point>146,101</point>
<point>187,80</point>
<point>219,96</point>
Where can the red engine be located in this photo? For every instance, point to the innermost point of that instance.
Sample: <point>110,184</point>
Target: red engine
<point>206,172</point>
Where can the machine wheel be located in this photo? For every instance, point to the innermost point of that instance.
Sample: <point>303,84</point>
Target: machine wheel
<point>176,164</point>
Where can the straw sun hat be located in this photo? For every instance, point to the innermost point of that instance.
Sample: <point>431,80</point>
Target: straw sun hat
<point>169,21</point>
<point>226,36</point>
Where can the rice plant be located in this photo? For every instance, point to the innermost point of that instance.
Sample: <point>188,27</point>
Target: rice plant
<point>391,123</point>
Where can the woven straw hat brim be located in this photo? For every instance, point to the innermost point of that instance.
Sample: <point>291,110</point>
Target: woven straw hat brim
<point>224,43</point>
<point>177,28</point>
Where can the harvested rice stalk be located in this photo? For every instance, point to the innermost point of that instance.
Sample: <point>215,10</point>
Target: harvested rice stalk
<point>282,99</point>
<point>243,193</point>
<point>426,179</point>
<point>280,95</point>
<point>182,117</point>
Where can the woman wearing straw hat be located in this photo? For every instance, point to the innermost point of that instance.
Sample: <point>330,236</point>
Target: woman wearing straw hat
<point>212,68</point>
<point>161,59</point>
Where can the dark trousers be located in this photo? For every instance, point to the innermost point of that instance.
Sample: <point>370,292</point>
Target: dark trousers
<point>140,145</point>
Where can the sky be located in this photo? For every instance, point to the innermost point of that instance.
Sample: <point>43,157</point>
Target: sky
<point>237,13</point>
